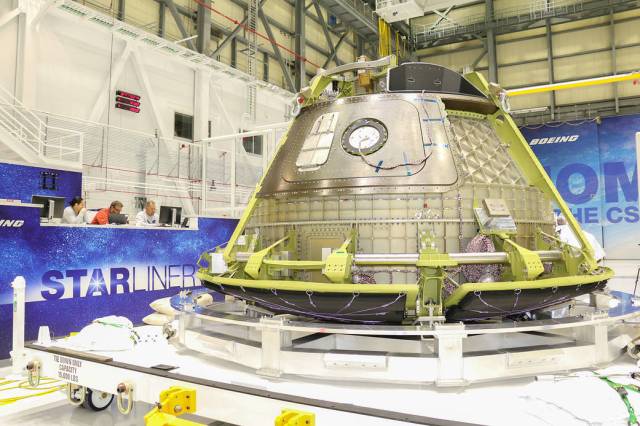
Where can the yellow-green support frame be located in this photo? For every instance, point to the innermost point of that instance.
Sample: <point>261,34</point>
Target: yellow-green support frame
<point>578,266</point>
<point>524,157</point>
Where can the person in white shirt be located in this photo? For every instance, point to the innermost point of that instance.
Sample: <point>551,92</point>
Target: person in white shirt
<point>148,216</point>
<point>75,213</point>
<point>566,235</point>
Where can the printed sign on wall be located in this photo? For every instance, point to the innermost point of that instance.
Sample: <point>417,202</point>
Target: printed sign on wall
<point>594,168</point>
<point>620,182</point>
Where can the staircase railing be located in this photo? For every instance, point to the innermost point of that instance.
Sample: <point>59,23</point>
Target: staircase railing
<point>48,143</point>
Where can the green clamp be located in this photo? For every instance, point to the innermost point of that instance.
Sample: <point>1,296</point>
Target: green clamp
<point>525,264</point>
<point>337,267</point>
<point>255,261</point>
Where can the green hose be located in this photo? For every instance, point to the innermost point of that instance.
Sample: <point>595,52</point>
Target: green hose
<point>622,390</point>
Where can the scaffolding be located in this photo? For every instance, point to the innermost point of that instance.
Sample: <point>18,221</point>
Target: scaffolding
<point>503,18</point>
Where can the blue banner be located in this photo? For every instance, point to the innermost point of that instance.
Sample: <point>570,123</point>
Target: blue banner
<point>617,136</point>
<point>593,165</point>
<point>19,182</point>
<point>76,274</point>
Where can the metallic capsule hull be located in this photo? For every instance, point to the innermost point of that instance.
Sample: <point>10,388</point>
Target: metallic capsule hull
<point>373,207</point>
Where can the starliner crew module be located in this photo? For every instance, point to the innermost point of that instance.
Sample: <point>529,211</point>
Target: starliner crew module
<point>402,193</point>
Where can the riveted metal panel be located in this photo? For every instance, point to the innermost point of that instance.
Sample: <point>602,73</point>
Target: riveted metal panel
<point>416,158</point>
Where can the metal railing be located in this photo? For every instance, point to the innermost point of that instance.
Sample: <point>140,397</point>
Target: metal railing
<point>363,9</point>
<point>238,186</point>
<point>475,23</point>
<point>28,131</point>
<point>20,123</point>
<point>215,176</point>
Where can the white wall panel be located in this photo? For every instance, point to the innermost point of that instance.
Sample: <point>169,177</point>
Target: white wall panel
<point>530,101</point>
<point>455,60</point>
<point>72,62</point>
<point>143,12</point>
<point>72,67</point>
<point>523,75</point>
<point>627,32</point>
<point>8,50</point>
<point>578,96</point>
<point>145,121</point>
<point>584,66</point>
<point>503,6</point>
<point>523,50</point>
<point>580,41</point>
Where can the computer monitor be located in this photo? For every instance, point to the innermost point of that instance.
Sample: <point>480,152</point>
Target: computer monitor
<point>52,207</point>
<point>118,219</point>
<point>170,215</point>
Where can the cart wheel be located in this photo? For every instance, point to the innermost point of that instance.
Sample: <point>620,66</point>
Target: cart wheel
<point>97,400</point>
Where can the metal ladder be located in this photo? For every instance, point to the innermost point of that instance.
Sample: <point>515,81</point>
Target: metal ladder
<point>252,50</point>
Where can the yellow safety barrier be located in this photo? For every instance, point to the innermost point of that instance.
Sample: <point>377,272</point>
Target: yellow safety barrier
<point>295,418</point>
<point>174,402</point>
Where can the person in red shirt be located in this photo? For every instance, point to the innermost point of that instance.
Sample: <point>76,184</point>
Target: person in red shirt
<point>102,217</point>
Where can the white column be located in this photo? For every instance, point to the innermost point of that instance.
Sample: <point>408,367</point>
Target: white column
<point>201,104</point>
<point>234,150</point>
<point>27,51</point>
<point>21,57</point>
<point>203,177</point>
<point>271,346</point>
<point>17,349</point>
<point>450,354</point>
<point>201,117</point>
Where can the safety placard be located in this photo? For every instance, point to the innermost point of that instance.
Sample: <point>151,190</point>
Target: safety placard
<point>68,368</point>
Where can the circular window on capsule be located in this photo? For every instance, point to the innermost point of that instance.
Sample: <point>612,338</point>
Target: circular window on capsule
<point>364,136</point>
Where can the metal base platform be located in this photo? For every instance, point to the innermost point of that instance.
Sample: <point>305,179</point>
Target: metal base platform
<point>219,397</point>
<point>235,395</point>
<point>236,380</point>
<point>588,332</point>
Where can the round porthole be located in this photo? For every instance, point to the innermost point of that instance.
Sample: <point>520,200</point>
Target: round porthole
<point>364,136</point>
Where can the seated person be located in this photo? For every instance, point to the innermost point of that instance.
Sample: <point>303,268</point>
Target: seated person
<point>148,216</point>
<point>102,217</point>
<point>75,213</point>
